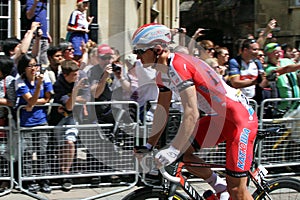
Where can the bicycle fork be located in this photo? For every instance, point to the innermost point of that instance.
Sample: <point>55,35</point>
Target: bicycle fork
<point>185,185</point>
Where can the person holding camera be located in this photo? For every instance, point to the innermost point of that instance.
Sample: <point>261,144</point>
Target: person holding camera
<point>33,88</point>
<point>203,49</point>
<point>36,11</point>
<point>105,78</point>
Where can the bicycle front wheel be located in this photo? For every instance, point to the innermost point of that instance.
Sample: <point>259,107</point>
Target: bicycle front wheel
<point>280,188</point>
<point>153,194</point>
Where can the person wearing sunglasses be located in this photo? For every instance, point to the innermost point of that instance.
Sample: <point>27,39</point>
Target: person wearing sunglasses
<point>33,88</point>
<point>246,72</point>
<point>104,78</point>
<point>199,88</point>
<point>222,55</point>
<point>286,76</point>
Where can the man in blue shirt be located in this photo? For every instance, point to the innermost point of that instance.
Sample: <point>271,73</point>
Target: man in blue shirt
<point>36,11</point>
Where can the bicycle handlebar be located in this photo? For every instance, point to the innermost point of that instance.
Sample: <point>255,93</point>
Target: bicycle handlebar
<point>147,164</point>
<point>167,176</point>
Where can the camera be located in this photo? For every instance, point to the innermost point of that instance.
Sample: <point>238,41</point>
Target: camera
<point>116,68</point>
<point>272,76</point>
<point>42,70</point>
<point>205,31</point>
<point>36,33</point>
<point>180,30</point>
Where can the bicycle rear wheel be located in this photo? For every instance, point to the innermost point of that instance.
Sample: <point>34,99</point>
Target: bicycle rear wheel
<point>280,188</point>
<point>153,194</point>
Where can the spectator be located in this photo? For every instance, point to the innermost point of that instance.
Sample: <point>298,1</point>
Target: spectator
<point>181,49</point>
<point>143,86</point>
<point>7,98</point>
<point>222,55</point>
<point>67,91</point>
<point>208,46</point>
<point>198,50</point>
<point>93,59</point>
<point>246,72</point>
<point>78,27</point>
<point>266,33</point>
<point>286,82</point>
<point>92,55</point>
<point>261,57</point>
<point>102,82</point>
<point>288,51</point>
<point>37,12</point>
<point>14,47</point>
<point>32,89</point>
<point>55,57</point>
<point>297,55</point>
<point>181,33</point>
<point>213,63</point>
<point>68,53</point>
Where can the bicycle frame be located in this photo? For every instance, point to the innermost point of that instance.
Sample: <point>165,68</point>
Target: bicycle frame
<point>177,178</point>
<point>173,174</point>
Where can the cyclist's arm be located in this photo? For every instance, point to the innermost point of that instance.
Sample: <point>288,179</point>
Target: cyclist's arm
<point>160,116</point>
<point>189,119</point>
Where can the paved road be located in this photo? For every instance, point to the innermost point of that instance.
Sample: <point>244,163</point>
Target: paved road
<point>91,193</point>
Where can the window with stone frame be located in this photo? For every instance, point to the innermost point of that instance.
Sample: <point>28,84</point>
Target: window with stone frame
<point>5,17</point>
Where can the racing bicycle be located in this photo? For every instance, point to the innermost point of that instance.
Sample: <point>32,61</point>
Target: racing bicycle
<point>174,177</point>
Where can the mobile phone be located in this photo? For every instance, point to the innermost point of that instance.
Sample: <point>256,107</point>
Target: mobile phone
<point>205,31</point>
<point>42,70</point>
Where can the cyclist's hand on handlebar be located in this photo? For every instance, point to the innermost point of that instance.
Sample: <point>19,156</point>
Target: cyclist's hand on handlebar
<point>167,156</point>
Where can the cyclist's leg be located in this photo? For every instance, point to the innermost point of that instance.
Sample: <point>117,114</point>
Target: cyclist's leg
<point>237,188</point>
<point>239,131</point>
<point>203,173</point>
<point>207,125</point>
<point>216,182</point>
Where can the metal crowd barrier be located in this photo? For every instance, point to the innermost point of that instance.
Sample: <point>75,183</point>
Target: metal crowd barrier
<point>7,153</point>
<point>281,152</point>
<point>100,152</point>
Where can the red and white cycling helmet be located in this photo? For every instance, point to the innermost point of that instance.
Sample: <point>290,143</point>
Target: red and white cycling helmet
<point>151,34</point>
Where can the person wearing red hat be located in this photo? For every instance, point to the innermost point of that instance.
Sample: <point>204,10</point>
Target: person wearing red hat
<point>103,79</point>
<point>78,27</point>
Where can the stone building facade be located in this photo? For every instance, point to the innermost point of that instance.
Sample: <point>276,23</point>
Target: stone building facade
<point>230,20</point>
<point>115,20</point>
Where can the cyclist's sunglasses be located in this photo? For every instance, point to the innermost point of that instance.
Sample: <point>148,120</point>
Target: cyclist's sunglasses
<point>141,51</point>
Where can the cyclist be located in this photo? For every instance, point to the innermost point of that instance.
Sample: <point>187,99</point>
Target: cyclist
<point>229,117</point>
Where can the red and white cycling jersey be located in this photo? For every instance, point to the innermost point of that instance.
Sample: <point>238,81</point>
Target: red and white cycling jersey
<point>230,118</point>
<point>213,93</point>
